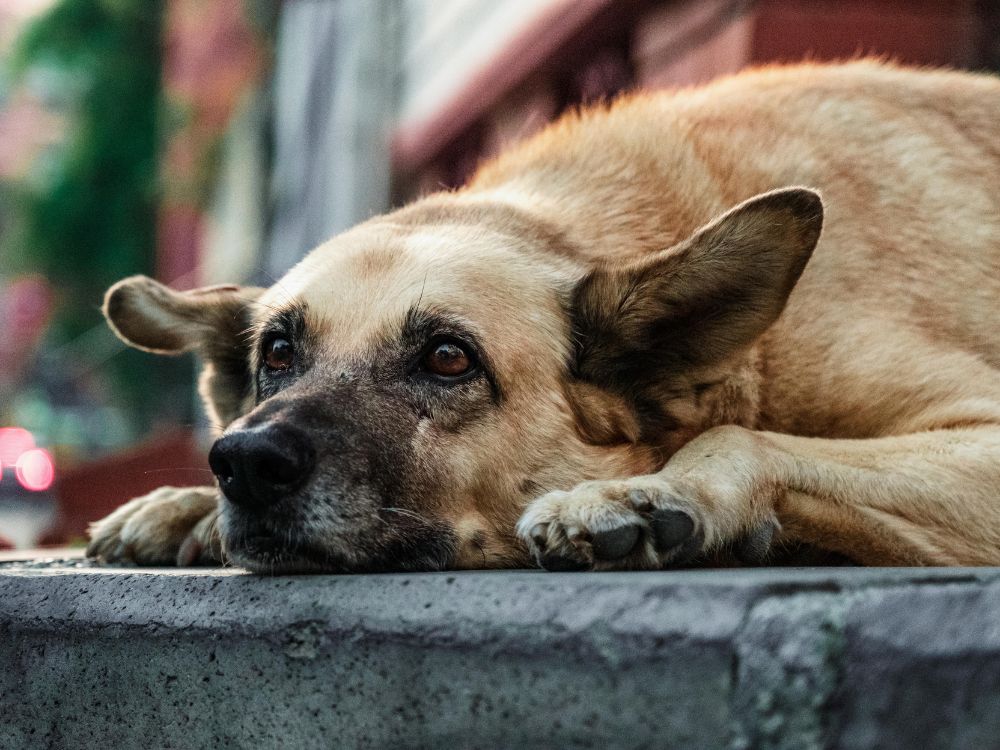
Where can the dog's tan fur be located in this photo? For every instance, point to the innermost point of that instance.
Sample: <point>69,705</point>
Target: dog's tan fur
<point>862,417</point>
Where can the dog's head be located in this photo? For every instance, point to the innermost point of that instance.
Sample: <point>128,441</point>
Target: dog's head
<point>399,396</point>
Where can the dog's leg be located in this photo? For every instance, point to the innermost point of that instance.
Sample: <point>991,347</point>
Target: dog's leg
<point>169,526</point>
<point>930,498</point>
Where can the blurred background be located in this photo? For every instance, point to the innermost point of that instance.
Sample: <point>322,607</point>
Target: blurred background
<point>208,141</point>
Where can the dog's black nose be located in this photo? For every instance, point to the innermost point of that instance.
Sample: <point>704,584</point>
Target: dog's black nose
<point>257,467</point>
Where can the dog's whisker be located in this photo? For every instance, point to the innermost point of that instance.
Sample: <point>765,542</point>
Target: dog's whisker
<point>482,549</point>
<point>249,303</point>
<point>289,297</point>
<point>178,468</point>
<point>214,533</point>
<point>276,283</point>
<point>409,513</point>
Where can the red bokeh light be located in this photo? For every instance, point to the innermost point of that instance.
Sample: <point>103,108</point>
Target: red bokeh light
<point>35,470</point>
<point>13,442</point>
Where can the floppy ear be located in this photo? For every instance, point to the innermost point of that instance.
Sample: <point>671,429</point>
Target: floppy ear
<point>209,321</point>
<point>699,302</point>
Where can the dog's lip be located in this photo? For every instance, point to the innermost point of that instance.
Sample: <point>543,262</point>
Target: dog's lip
<point>268,554</point>
<point>263,546</point>
<point>265,543</point>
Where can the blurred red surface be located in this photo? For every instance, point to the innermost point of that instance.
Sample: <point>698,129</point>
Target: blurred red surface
<point>92,490</point>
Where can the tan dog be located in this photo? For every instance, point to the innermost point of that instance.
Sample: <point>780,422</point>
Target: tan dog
<point>609,351</point>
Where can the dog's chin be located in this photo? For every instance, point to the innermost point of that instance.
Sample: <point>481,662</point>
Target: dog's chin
<point>251,544</point>
<point>268,556</point>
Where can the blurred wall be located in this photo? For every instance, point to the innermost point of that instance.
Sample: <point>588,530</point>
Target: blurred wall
<point>447,42</point>
<point>346,72</point>
<point>481,75</point>
<point>335,92</point>
<point>372,102</point>
<point>215,59</point>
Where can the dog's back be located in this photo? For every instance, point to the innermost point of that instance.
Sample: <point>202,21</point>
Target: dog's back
<point>896,312</point>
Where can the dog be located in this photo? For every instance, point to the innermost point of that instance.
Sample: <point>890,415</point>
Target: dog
<point>717,326</point>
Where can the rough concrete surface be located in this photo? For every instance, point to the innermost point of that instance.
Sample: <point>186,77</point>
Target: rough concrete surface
<point>783,658</point>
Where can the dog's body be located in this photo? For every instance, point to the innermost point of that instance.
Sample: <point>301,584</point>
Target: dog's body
<point>610,334</point>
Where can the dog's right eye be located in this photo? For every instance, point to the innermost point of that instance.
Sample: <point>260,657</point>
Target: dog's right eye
<point>278,354</point>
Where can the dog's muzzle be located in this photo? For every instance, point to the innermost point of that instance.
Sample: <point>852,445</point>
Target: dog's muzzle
<point>258,466</point>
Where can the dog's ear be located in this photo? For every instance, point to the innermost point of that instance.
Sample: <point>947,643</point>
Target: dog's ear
<point>699,302</point>
<point>210,322</point>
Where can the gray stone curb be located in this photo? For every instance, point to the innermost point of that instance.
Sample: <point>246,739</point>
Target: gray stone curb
<point>782,658</point>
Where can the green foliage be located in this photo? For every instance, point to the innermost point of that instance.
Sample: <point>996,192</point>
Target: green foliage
<point>87,215</point>
<point>91,219</point>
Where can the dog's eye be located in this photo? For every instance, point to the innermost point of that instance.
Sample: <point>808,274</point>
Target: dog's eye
<point>278,354</point>
<point>448,359</point>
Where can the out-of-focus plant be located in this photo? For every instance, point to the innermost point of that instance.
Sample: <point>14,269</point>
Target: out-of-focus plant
<point>85,215</point>
<point>88,216</point>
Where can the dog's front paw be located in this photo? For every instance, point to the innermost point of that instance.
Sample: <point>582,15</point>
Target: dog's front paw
<point>169,526</point>
<point>633,524</point>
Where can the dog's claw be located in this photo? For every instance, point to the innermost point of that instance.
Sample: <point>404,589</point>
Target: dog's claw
<point>640,500</point>
<point>539,534</point>
<point>96,549</point>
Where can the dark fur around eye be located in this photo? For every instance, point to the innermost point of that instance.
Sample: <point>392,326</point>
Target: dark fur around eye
<point>282,352</point>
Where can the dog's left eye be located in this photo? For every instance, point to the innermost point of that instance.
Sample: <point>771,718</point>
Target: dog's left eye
<point>278,354</point>
<point>448,359</point>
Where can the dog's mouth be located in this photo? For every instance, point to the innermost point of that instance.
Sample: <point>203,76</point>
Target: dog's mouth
<point>270,555</point>
<point>282,544</point>
<point>289,552</point>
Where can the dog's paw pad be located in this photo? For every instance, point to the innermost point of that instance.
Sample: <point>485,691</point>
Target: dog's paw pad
<point>556,563</point>
<point>615,543</point>
<point>755,547</point>
<point>670,528</point>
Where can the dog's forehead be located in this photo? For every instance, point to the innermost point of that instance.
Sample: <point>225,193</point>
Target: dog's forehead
<point>361,285</point>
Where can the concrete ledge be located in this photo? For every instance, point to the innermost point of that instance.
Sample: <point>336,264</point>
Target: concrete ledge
<point>793,658</point>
